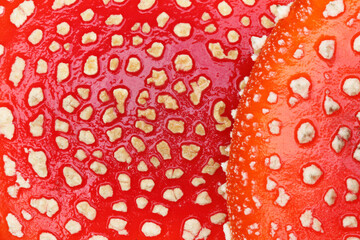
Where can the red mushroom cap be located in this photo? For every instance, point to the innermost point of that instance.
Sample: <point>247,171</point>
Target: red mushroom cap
<point>294,161</point>
<point>115,115</point>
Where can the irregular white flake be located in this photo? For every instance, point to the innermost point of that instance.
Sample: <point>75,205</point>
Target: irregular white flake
<point>305,133</point>
<point>147,184</point>
<point>191,229</point>
<point>356,44</point>
<point>327,49</point>
<point>72,178</point>
<point>98,168</point>
<point>162,19</point>
<point>9,166</point>
<point>47,236</point>
<point>98,237</point>
<point>118,225</point>
<point>38,159</point>
<point>218,218</point>
<point>273,162</point>
<point>222,191</point>
<point>120,207</point>
<point>36,36</point>
<point>300,86</point>
<point>224,8</point>
<point>182,30</point>
<point>141,202</point>
<point>36,126</point>
<point>106,191</point>
<point>87,15</point>
<point>334,8</point>
<point>63,28</point>
<point>61,142</point>
<point>58,4</point>
<point>272,98</point>
<point>280,11</point>
<point>91,66</point>
<point>270,184</point>
<point>173,195</point>
<point>70,103</point>
<point>20,14</point>
<point>311,174</point>
<point>2,50</point>
<point>352,185</point>
<point>160,209</point>
<point>307,220</point>
<point>86,137</point>
<point>45,206</point>
<point>299,53</point>
<point>274,127</point>
<point>337,144</point>
<point>124,181</point>
<point>62,71</point>
<point>350,222</point>
<point>114,19</point>
<point>224,166</point>
<point>293,101</point>
<point>17,71</point>
<point>36,96</point>
<point>15,227</point>
<point>330,105</point>
<point>330,197</point>
<point>88,38</point>
<point>257,44</point>
<point>7,128</point>
<point>351,87</point>
<point>73,226</point>
<point>340,139</point>
<point>203,198</point>
<point>85,209</point>
<point>61,126</point>
<point>227,232</point>
<point>26,215</point>
<point>283,198</point>
<point>350,197</point>
<point>151,229</point>
<point>20,183</point>
<point>146,4</point>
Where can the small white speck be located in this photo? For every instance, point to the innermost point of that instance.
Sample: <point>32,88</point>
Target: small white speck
<point>299,53</point>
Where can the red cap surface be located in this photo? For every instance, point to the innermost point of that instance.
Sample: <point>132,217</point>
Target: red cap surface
<point>115,115</point>
<point>294,161</point>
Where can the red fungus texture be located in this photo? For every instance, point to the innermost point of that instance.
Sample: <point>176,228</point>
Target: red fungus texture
<point>294,160</point>
<point>115,115</point>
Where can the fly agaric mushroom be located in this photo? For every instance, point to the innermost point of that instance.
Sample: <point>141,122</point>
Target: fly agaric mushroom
<point>115,115</point>
<point>294,159</point>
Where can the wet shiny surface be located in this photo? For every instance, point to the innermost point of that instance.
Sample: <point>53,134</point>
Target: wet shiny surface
<point>225,76</point>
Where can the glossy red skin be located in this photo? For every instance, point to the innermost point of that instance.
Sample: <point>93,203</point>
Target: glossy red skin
<point>225,77</point>
<point>326,76</point>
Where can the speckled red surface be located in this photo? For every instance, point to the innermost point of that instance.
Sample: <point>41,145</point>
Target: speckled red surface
<point>224,76</point>
<point>310,189</point>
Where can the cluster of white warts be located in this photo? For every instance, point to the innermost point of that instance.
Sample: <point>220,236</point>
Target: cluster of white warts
<point>306,133</point>
<point>36,96</point>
